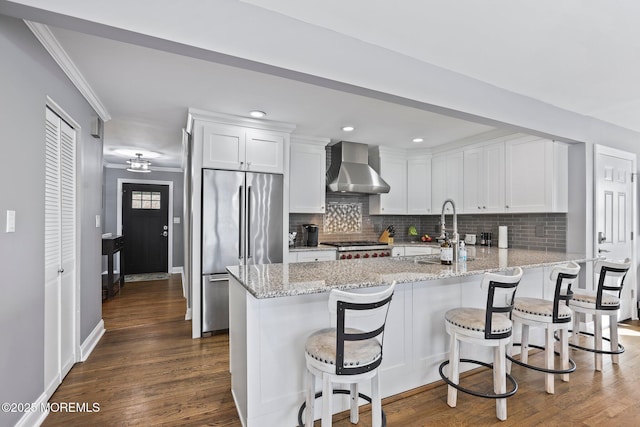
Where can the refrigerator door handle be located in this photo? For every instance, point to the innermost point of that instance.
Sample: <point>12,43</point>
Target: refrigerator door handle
<point>240,222</point>
<point>248,222</point>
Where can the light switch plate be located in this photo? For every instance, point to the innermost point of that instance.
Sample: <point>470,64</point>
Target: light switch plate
<point>97,221</point>
<point>11,222</point>
<point>176,220</point>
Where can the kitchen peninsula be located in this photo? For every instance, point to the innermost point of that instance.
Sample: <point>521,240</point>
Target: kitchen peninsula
<point>273,308</point>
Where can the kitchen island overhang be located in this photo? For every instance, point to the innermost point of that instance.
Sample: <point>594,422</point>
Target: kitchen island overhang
<point>275,307</point>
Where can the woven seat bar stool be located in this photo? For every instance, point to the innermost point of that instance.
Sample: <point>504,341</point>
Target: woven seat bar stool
<point>605,301</point>
<point>553,315</point>
<point>492,327</point>
<point>348,353</point>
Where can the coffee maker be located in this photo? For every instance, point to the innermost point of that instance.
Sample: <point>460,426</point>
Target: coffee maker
<point>311,232</point>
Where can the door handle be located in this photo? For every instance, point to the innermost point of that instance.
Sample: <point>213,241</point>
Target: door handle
<point>248,222</point>
<point>241,203</point>
<point>164,233</point>
<point>602,250</point>
<point>601,237</point>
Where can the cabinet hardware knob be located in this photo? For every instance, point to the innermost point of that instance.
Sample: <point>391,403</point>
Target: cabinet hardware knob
<point>61,270</point>
<point>484,207</point>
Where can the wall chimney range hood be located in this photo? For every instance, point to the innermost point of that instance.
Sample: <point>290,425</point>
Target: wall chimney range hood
<point>350,172</point>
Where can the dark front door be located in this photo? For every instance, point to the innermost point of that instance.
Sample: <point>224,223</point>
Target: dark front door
<point>145,210</point>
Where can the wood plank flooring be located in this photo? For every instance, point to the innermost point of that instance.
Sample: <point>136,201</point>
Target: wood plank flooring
<point>147,371</point>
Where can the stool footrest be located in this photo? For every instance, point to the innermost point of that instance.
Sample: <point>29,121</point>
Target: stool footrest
<point>477,393</point>
<point>571,369</point>
<point>620,349</point>
<point>338,391</point>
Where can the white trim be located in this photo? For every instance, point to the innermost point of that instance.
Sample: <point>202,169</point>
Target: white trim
<point>177,270</point>
<point>57,52</point>
<point>122,181</point>
<point>188,315</point>
<point>35,418</point>
<point>229,119</point>
<point>153,168</point>
<point>92,340</point>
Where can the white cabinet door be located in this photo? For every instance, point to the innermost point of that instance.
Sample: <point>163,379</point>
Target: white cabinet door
<point>474,181</point>
<point>264,152</point>
<point>419,186</point>
<point>223,147</point>
<point>307,178</point>
<point>447,180</point>
<point>537,178</point>
<point>494,178</point>
<point>484,172</point>
<point>394,171</point>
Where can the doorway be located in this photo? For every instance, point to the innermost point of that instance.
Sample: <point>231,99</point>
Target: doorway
<point>145,208</point>
<point>614,172</point>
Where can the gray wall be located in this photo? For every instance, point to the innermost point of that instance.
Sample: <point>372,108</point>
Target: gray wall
<point>111,200</point>
<point>27,76</point>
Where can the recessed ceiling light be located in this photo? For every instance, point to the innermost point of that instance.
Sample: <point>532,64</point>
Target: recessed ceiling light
<point>257,113</point>
<point>417,139</point>
<point>348,128</point>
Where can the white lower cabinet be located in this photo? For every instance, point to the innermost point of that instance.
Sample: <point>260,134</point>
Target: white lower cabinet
<point>421,250</point>
<point>312,256</point>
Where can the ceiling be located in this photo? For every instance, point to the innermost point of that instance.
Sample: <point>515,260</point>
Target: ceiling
<point>579,55</point>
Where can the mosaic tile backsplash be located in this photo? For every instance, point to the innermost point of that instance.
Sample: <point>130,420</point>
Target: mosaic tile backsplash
<point>526,231</point>
<point>343,218</point>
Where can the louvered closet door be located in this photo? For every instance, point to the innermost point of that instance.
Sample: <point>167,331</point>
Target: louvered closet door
<point>60,249</point>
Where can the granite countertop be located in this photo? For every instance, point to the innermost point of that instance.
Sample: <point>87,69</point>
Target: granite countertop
<point>281,280</point>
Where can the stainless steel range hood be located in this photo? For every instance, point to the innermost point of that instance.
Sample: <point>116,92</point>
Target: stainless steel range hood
<point>350,171</point>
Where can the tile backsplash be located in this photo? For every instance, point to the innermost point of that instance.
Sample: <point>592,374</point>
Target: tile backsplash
<point>348,218</point>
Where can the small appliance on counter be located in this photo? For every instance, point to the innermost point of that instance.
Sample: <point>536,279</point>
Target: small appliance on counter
<point>311,231</point>
<point>485,239</point>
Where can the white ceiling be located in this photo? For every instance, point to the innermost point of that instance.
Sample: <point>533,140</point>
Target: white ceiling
<point>580,55</point>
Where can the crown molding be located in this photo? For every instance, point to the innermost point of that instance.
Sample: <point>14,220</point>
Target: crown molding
<point>57,52</point>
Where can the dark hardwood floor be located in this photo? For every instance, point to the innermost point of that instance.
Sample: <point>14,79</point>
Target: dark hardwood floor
<point>147,371</point>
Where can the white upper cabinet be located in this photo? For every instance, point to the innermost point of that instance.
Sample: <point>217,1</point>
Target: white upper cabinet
<point>237,143</point>
<point>484,183</point>
<point>419,185</point>
<point>536,175</point>
<point>307,181</point>
<point>392,167</point>
<point>447,180</point>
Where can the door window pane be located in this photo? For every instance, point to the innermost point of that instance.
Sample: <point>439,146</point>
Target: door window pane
<point>145,200</point>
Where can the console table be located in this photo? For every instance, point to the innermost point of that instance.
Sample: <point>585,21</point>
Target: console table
<point>111,283</point>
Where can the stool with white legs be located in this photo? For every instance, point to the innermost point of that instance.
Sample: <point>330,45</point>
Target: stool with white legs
<point>604,301</point>
<point>348,353</point>
<point>486,327</point>
<point>553,315</point>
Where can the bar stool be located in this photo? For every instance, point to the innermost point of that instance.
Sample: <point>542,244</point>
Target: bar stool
<point>487,327</point>
<point>348,353</point>
<point>553,315</point>
<point>605,301</point>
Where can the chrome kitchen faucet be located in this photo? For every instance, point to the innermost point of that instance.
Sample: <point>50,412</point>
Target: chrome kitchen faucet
<point>454,236</point>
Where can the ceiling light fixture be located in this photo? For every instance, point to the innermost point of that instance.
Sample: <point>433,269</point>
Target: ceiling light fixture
<point>417,139</point>
<point>139,164</point>
<point>348,128</point>
<point>257,114</point>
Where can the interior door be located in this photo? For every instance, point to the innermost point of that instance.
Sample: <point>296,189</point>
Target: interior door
<point>145,226</point>
<point>60,249</point>
<point>614,215</point>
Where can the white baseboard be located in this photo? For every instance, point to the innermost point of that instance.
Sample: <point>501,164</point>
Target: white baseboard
<point>35,418</point>
<point>176,270</point>
<point>187,315</point>
<point>92,340</point>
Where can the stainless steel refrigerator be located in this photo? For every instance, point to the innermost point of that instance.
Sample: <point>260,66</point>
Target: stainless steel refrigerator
<point>241,225</point>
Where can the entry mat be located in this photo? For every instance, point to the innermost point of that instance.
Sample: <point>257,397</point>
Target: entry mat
<point>145,277</point>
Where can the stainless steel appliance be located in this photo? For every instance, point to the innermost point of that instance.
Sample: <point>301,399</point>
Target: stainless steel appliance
<point>349,171</point>
<point>360,249</point>
<point>241,225</point>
